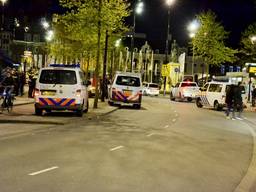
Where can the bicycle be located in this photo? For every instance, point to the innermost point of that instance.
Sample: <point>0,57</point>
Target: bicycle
<point>8,98</point>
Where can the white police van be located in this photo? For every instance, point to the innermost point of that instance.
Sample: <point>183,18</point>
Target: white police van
<point>126,89</point>
<point>61,87</point>
<point>212,94</point>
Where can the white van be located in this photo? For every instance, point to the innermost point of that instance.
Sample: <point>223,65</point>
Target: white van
<point>213,94</point>
<point>126,89</point>
<point>61,87</point>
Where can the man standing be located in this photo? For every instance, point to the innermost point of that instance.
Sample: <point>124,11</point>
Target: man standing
<point>238,102</point>
<point>229,100</point>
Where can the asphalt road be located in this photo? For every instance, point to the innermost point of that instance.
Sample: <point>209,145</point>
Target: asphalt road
<point>164,147</point>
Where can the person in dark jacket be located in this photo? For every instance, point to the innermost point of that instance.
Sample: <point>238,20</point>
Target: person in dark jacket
<point>253,95</point>
<point>229,100</point>
<point>238,102</point>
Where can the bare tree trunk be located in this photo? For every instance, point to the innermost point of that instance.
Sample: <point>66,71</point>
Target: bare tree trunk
<point>95,104</point>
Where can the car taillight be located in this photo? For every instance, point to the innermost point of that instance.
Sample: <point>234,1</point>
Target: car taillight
<point>78,93</point>
<point>37,92</point>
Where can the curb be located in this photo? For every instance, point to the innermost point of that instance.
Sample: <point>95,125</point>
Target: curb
<point>248,182</point>
<point>19,104</point>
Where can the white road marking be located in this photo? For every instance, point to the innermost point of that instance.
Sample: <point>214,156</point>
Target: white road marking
<point>173,120</point>
<point>166,126</point>
<point>43,171</point>
<point>116,148</point>
<point>175,111</point>
<point>149,135</point>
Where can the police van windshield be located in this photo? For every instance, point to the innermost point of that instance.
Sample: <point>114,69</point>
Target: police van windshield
<point>128,81</point>
<point>58,77</point>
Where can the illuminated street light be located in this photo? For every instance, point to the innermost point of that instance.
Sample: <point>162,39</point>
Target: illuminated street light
<point>45,24</point>
<point>169,4</point>
<point>49,35</point>
<point>193,28</point>
<point>2,21</point>
<point>253,39</point>
<point>138,9</point>
<point>118,42</point>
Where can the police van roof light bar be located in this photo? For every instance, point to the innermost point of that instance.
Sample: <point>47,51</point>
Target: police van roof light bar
<point>63,65</point>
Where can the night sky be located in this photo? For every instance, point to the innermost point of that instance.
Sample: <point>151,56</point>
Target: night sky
<point>235,15</point>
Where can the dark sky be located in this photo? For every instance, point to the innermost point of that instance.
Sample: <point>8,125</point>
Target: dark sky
<point>235,15</point>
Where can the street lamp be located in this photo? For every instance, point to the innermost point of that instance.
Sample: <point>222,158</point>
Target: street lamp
<point>3,2</point>
<point>138,9</point>
<point>169,4</point>
<point>193,28</point>
<point>49,35</point>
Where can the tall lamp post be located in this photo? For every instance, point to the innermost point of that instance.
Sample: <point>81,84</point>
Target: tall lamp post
<point>2,20</point>
<point>138,8</point>
<point>193,28</point>
<point>169,4</point>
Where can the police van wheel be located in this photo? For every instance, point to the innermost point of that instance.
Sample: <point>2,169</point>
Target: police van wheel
<point>171,97</point>
<point>189,99</point>
<point>199,103</point>
<point>79,113</point>
<point>217,106</point>
<point>38,111</point>
<point>137,106</point>
<point>87,107</point>
<point>110,103</point>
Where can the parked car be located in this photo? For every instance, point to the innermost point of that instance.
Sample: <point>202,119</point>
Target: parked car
<point>186,90</point>
<point>151,89</point>
<point>126,89</point>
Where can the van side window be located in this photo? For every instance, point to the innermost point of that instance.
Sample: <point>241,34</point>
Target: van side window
<point>215,88</point>
<point>206,87</point>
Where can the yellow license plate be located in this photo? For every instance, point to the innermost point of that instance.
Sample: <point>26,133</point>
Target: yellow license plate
<point>127,93</point>
<point>48,93</point>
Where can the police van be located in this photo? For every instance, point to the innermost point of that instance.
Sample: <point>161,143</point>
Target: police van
<point>126,89</point>
<point>61,87</point>
<point>213,94</point>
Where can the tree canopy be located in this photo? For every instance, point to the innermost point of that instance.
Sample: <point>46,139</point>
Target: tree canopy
<point>209,41</point>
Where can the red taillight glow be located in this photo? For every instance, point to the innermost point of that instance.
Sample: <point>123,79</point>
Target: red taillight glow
<point>36,92</point>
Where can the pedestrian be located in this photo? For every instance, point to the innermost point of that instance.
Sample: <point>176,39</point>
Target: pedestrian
<point>238,102</point>
<point>31,83</point>
<point>253,95</point>
<point>229,100</point>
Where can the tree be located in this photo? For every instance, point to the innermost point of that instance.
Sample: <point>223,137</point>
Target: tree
<point>209,41</point>
<point>248,43</point>
<point>79,29</point>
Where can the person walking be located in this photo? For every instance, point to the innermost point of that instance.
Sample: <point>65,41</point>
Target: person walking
<point>229,100</point>
<point>253,95</point>
<point>238,102</point>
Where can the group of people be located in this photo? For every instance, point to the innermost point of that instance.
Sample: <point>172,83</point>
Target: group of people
<point>14,79</point>
<point>234,101</point>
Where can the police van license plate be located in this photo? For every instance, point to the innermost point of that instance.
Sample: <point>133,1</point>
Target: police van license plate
<point>127,93</point>
<point>48,93</point>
